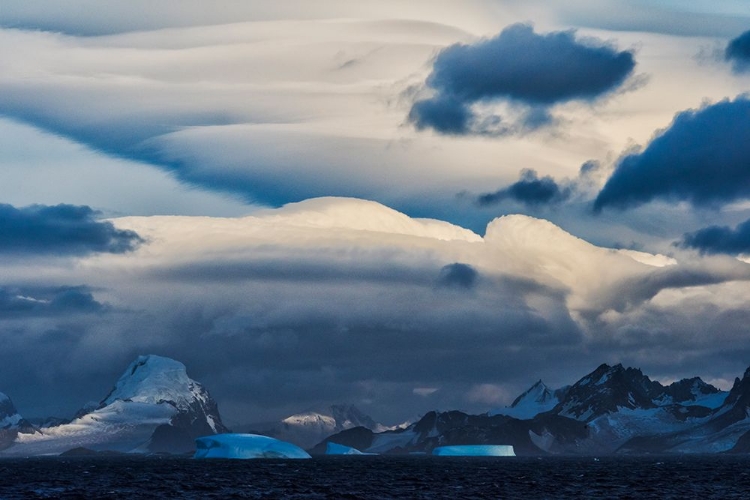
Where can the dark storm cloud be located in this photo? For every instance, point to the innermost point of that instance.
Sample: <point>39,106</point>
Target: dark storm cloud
<point>719,239</point>
<point>458,275</point>
<point>529,190</point>
<point>738,53</point>
<point>447,115</point>
<point>60,229</point>
<point>295,270</point>
<point>520,67</point>
<point>26,301</point>
<point>703,157</point>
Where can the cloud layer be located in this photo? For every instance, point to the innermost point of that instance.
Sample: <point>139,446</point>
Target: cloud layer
<point>347,300</point>
<point>30,302</point>
<point>520,67</point>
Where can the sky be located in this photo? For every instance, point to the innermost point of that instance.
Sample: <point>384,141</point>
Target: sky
<point>404,206</point>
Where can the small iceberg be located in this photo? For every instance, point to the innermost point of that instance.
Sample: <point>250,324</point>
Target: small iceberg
<point>475,450</point>
<point>246,446</point>
<point>340,449</point>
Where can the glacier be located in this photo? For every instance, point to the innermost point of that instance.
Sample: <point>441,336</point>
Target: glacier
<point>475,450</point>
<point>246,446</point>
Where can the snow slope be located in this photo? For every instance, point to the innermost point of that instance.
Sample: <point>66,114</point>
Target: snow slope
<point>340,449</point>
<point>537,399</point>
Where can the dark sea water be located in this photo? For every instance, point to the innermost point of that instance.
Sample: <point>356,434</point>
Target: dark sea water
<point>377,477</point>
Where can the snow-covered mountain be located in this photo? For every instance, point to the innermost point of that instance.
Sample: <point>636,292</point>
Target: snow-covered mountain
<point>11,423</point>
<point>618,404</point>
<point>154,406</point>
<point>612,409</point>
<point>308,428</point>
<point>457,428</point>
<point>537,399</point>
<point>727,429</point>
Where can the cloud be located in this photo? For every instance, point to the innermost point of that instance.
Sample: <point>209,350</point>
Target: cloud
<point>60,229</point>
<point>738,53</point>
<point>35,301</point>
<point>698,18</point>
<point>446,114</point>
<point>458,275</point>
<point>521,68</point>
<point>348,300</point>
<point>529,190</point>
<point>719,239</point>
<point>702,158</point>
<point>190,102</point>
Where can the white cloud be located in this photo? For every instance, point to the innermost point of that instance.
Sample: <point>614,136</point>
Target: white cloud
<point>347,291</point>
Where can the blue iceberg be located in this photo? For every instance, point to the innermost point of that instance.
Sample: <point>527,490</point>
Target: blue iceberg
<point>475,450</point>
<point>340,449</point>
<point>246,446</point>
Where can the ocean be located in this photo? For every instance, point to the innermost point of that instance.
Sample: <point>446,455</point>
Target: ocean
<point>377,477</point>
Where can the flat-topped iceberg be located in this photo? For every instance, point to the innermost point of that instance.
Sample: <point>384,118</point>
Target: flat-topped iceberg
<point>340,449</point>
<point>475,450</point>
<point>246,446</point>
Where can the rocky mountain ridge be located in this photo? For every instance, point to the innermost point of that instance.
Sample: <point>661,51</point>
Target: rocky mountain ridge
<point>613,409</point>
<point>308,428</point>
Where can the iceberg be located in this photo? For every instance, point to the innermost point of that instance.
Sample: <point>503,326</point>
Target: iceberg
<point>340,449</point>
<point>475,450</point>
<point>246,446</point>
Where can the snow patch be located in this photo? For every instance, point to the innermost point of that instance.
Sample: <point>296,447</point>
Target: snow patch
<point>537,399</point>
<point>340,449</point>
<point>385,442</point>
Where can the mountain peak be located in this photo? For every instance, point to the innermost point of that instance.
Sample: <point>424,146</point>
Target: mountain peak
<point>606,389</point>
<point>739,395</point>
<point>159,380</point>
<point>153,379</point>
<point>537,393</point>
<point>9,416</point>
<point>308,428</point>
<point>535,400</point>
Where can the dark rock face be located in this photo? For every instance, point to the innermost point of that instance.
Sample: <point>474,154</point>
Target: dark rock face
<point>347,415</point>
<point>688,389</point>
<point>11,423</point>
<point>356,437</point>
<point>607,389</point>
<point>737,402</point>
<point>179,436</point>
<point>188,424</point>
